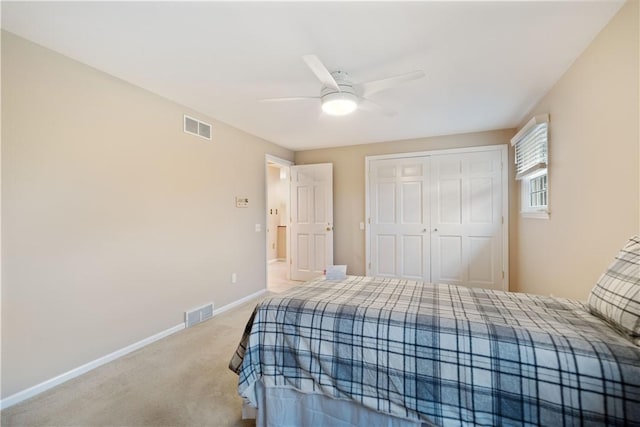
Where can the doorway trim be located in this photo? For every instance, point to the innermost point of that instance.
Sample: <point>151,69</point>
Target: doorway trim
<point>269,158</point>
<point>504,151</point>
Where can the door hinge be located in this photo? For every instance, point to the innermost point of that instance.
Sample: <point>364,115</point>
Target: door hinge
<point>369,220</point>
<point>369,266</point>
<point>290,261</point>
<point>503,275</point>
<point>502,219</point>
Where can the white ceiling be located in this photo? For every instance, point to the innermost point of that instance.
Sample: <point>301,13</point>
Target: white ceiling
<point>487,63</point>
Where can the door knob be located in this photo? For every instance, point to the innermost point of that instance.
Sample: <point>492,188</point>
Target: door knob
<point>329,228</point>
<point>435,229</point>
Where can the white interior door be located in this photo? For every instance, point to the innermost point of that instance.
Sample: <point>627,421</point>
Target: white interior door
<point>399,224</point>
<point>466,219</point>
<point>311,220</point>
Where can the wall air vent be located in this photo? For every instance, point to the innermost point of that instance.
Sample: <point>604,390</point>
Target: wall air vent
<point>197,128</point>
<point>197,315</point>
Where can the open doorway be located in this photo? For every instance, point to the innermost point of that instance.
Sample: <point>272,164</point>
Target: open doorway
<point>277,225</point>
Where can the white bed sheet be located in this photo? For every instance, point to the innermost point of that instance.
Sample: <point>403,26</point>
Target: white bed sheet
<point>287,407</point>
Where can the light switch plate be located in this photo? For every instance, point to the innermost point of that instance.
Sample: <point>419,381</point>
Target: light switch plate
<point>258,228</point>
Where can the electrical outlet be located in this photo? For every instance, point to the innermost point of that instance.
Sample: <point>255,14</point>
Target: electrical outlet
<point>234,277</point>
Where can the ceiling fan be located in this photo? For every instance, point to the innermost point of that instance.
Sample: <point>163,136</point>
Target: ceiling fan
<point>340,95</point>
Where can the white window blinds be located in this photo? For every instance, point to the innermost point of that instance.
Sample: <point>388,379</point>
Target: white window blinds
<point>531,146</point>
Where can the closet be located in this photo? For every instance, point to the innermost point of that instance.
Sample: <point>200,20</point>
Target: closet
<point>439,216</point>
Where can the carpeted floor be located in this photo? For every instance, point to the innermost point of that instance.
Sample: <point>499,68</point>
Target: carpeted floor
<point>182,380</point>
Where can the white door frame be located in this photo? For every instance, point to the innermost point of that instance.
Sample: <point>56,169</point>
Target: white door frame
<point>268,158</point>
<point>502,148</point>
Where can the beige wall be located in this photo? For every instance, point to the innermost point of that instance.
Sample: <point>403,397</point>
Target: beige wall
<point>349,184</point>
<point>594,167</point>
<point>114,221</point>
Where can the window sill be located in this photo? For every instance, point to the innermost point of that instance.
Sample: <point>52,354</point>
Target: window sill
<point>535,214</point>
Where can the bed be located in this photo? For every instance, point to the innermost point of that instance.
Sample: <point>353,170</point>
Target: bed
<point>380,351</point>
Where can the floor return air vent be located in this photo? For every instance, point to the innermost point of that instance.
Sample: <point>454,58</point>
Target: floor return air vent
<point>197,315</point>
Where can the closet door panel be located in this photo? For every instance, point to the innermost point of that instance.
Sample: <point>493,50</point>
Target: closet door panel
<point>399,206</point>
<point>466,224</point>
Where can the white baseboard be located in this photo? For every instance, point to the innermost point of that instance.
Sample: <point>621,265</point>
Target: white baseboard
<point>239,302</point>
<point>48,384</point>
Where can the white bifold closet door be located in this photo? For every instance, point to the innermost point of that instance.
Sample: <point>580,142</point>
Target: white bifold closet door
<point>399,221</point>
<point>466,219</point>
<point>438,218</point>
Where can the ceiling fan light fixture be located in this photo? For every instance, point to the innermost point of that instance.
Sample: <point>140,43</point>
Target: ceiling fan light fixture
<point>339,103</point>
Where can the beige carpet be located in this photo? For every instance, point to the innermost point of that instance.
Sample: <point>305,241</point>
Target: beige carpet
<point>182,380</point>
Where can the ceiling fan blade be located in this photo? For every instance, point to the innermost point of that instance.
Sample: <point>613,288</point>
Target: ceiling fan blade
<point>375,86</point>
<point>321,71</point>
<point>291,98</point>
<point>369,105</point>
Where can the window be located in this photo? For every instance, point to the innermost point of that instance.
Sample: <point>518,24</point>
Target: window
<point>538,191</point>
<point>531,145</point>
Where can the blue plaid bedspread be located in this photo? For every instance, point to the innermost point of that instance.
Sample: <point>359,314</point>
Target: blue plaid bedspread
<point>445,355</point>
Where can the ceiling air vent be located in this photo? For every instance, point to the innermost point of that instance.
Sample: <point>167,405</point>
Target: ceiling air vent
<point>197,128</point>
